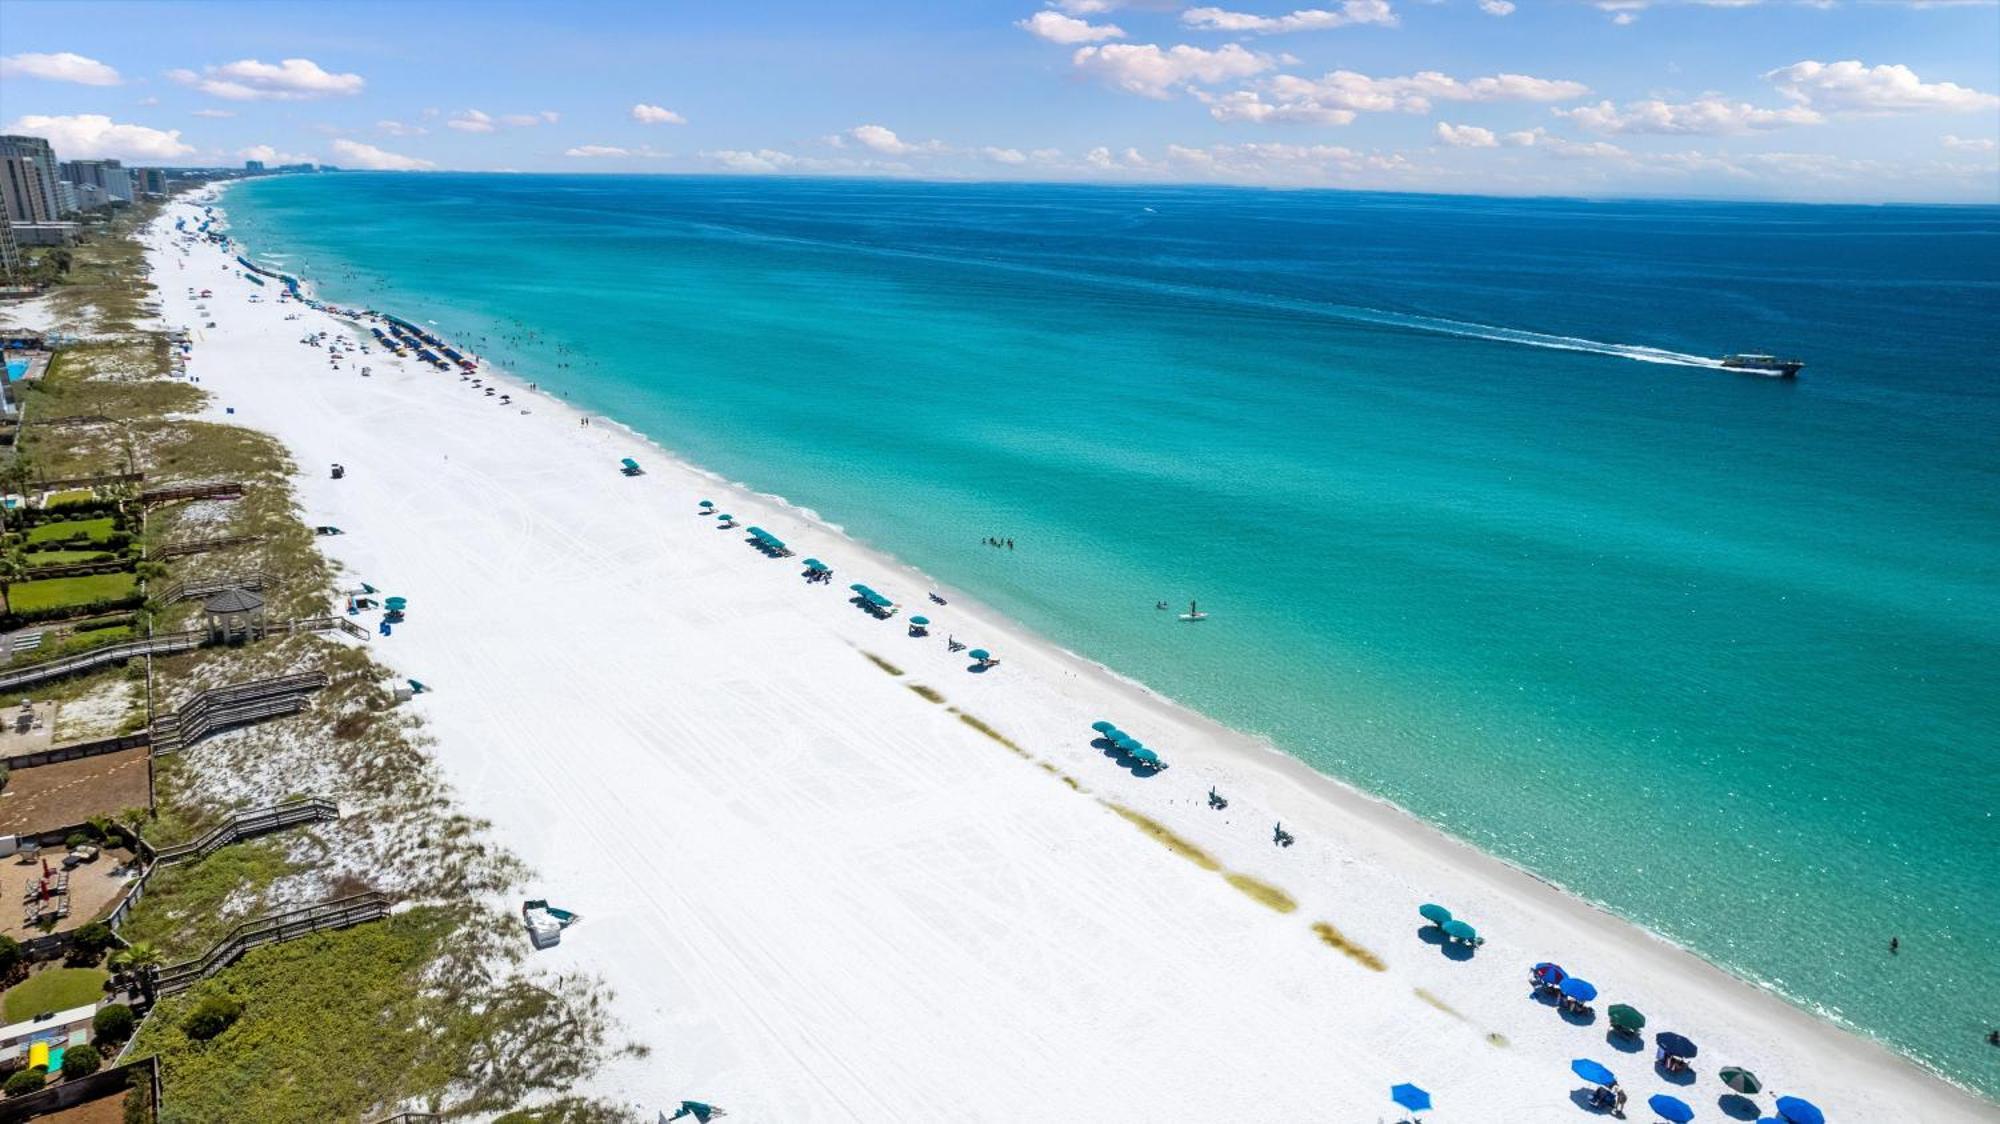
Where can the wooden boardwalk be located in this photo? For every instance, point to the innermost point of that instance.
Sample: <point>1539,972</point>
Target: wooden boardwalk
<point>291,924</point>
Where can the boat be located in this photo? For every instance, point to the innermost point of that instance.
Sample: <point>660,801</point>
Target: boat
<point>1194,614</point>
<point>1765,365</point>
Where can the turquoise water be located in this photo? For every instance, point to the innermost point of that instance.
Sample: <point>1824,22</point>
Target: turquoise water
<point>1715,650</point>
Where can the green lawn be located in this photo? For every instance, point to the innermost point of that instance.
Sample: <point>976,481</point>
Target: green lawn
<point>96,530</point>
<point>36,558</point>
<point>73,495</point>
<point>25,597</point>
<point>57,989</point>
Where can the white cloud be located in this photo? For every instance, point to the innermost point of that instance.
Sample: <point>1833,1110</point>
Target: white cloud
<point>1058,28</point>
<point>271,155</point>
<point>879,139</point>
<point>355,154</point>
<point>399,129</point>
<point>251,80</point>
<point>479,121</point>
<point>1465,136</point>
<point>1625,19</point>
<point>1561,146</point>
<point>1967,144</point>
<point>530,120</point>
<point>766,160</point>
<point>472,121</point>
<point>1497,7</point>
<point>1333,99</point>
<point>1086,7</point>
<point>215,113</point>
<point>1147,70</point>
<point>589,151</point>
<point>62,66</point>
<point>1004,155</point>
<point>1305,19</point>
<point>656,115</point>
<point>1850,87</point>
<point>95,136</point>
<point>1709,115</point>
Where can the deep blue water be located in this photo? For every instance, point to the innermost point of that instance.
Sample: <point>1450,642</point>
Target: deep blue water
<point>1715,650</point>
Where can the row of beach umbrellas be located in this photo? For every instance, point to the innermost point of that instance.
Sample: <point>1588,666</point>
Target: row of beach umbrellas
<point>1452,927</point>
<point>1125,743</point>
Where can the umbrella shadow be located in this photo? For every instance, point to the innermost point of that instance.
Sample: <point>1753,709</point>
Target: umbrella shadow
<point>1581,1099</point>
<point>1624,1041</point>
<point>1682,1078</point>
<point>1547,997</point>
<point>1448,948</point>
<point>979,668</point>
<point>1737,1106</point>
<point>1584,1017</point>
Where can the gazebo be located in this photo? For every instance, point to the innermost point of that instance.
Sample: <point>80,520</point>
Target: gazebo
<point>234,614</point>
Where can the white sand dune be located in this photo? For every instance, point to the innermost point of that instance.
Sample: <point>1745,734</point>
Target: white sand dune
<point>819,896</point>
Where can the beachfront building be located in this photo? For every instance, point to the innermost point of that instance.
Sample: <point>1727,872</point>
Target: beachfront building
<point>152,181</point>
<point>253,165</point>
<point>28,178</point>
<point>10,252</point>
<point>108,177</point>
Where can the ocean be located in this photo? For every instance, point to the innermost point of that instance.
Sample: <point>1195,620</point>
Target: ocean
<point>1478,527</point>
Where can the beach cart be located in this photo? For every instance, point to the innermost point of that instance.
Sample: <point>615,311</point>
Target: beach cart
<point>545,922</point>
<point>631,467</point>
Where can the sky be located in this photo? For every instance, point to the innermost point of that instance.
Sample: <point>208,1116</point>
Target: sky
<point>1821,100</point>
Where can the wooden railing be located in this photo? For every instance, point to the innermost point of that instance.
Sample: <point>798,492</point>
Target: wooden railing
<point>289,925</point>
<point>162,644</point>
<point>249,825</point>
<point>75,750</point>
<point>223,708</point>
<point>73,1091</point>
<point>209,489</point>
<point>198,546</point>
<point>321,624</point>
<point>203,587</point>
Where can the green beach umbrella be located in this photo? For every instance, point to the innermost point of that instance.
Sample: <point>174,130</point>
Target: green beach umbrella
<point>920,620</point>
<point>1435,914</point>
<point>1625,1018</point>
<point>1741,1080</point>
<point>395,604</point>
<point>980,654</point>
<point>1459,930</point>
<point>708,503</point>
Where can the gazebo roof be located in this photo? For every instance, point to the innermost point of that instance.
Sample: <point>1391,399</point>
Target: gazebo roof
<point>233,601</point>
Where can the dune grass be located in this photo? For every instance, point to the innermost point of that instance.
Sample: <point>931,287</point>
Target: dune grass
<point>1262,892</point>
<point>928,694</point>
<point>1168,839</point>
<point>885,665</point>
<point>55,989</point>
<point>1334,939</point>
<point>991,732</point>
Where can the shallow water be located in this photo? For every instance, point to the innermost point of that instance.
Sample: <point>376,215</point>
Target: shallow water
<point>1478,529</point>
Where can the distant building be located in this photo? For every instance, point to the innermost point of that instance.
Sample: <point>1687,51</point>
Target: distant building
<point>108,176</point>
<point>30,187</point>
<point>253,165</point>
<point>152,181</point>
<point>44,233</point>
<point>10,252</point>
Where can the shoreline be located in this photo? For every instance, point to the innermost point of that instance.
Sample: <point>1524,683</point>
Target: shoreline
<point>1339,824</point>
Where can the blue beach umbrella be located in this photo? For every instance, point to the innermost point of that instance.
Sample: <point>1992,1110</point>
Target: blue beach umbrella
<point>1675,1045</point>
<point>920,620</point>
<point>980,654</point>
<point>1670,1108</point>
<point>1434,913</point>
<point>1592,1072</point>
<point>1145,754</point>
<point>1793,1110</point>
<point>708,503</point>
<point>1460,931</point>
<point>1410,1097</point>
<point>1579,989</point>
<point>1102,727</point>
<point>1550,973</point>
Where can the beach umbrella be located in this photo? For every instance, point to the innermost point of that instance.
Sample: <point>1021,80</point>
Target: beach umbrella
<point>1579,989</point>
<point>920,620</point>
<point>1741,1080</point>
<point>1144,754</point>
<point>1434,913</point>
<point>1103,727</point>
<point>396,604</point>
<point>1592,1072</point>
<point>1410,1097</point>
<point>1627,1019</point>
<point>1551,974</point>
<point>1459,930</point>
<point>980,654</point>
<point>1670,1108</point>
<point>1675,1045</point>
<point>708,503</point>
<point>1793,1110</point>
<point>1128,743</point>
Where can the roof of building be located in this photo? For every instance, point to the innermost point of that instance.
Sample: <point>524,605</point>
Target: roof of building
<point>233,601</point>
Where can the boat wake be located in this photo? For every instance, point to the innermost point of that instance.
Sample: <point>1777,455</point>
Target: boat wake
<point>1633,351</point>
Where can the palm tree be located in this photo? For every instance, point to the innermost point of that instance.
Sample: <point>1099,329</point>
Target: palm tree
<point>12,569</point>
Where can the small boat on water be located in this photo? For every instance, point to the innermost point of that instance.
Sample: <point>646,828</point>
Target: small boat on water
<point>1194,614</point>
<point>1765,365</point>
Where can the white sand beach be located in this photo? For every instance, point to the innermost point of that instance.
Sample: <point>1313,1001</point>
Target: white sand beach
<point>820,896</point>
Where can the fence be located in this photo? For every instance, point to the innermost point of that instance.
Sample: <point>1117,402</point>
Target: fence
<point>76,750</point>
<point>409,1118</point>
<point>249,825</point>
<point>90,481</point>
<point>74,419</point>
<point>321,624</point>
<point>163,644</point>
<point>79,569</point>
<point>223,708</point>
<point>198,546</point>
<point>204,587</point>
<point>289,925</point>
<point>74,1091</point>
<point>210,489</point>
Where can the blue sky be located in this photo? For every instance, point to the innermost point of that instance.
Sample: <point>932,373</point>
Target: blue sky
<point>1828,99</point>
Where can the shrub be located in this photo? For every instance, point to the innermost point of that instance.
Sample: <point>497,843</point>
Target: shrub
<point>24,1082</point>
<point>76,839</point>
<point>81,1061</point>
<point>113,839</point>
<point>93,939</point>
<point>113,1023</point>
<point>3,778</point>
<point>10,956</point>
<point>211,1017</point>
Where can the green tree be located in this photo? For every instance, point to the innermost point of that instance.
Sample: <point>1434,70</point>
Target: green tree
<point>13,568</point>
<point>81,1061</point>
<point>113,1023</point>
